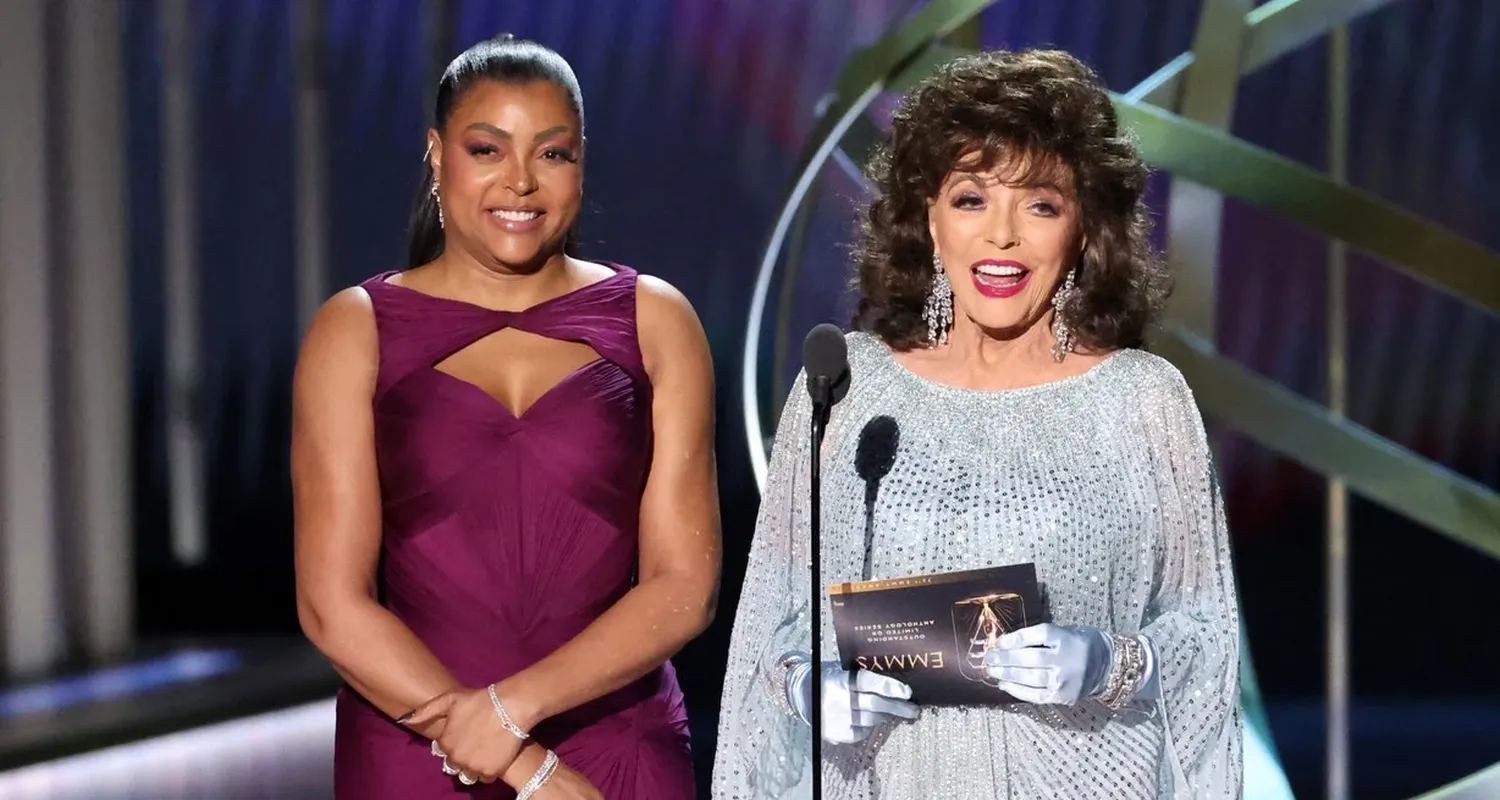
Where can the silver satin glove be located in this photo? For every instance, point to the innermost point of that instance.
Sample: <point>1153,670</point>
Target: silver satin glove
<point>852,706</point>
<point>1052,664</point>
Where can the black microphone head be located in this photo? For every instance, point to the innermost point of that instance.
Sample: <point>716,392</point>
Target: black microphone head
<point>825,355</point>
<point>876,452</point>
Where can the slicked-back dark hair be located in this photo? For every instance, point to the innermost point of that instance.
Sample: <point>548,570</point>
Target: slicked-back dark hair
<point>505,59</point>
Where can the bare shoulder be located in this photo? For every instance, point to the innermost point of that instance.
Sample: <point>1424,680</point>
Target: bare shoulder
<point>341,340</point>
<point>658,298</point>
<point>668,326</point>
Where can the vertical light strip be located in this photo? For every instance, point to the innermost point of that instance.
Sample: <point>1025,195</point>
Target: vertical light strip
<point>1339,689</point>
<point>32,632</point>
<point>438,23</point>
<point>96,313</point>
<point>312,159</point>
<point>1195,212</point>
<point>179,229</point>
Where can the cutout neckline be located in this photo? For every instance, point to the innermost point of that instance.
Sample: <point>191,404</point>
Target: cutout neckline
<point>496,402</point>
<point>384,279</point>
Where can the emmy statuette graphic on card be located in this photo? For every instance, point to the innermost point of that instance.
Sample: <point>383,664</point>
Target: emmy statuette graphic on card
<point>933,631</point>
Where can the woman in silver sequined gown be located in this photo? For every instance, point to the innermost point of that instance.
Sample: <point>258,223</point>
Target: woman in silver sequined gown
<point>1006,284</point>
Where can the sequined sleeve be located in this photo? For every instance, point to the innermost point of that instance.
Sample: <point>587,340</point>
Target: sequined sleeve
<point>1192,618</point>
<point>763,751</point>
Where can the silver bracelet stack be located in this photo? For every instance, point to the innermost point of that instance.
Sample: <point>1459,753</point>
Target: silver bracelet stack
<point>779,683</point>
<point>1127,672</point>
<point>505,720</point>
<point>539,779</point>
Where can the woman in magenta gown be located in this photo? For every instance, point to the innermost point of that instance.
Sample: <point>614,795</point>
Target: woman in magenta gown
<point>504,478</point>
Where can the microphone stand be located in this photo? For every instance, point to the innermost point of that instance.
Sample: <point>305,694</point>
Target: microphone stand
<point>821,389</point>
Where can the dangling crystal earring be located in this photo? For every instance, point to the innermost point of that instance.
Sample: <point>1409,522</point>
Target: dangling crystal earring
<point>439,202</point>
<point>938,312</point>
<point>1060,329</point>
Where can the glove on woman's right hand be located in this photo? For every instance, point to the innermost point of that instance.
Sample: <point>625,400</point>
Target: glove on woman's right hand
<point>853,704</point>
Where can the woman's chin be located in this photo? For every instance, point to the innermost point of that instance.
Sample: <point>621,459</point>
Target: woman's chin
<point>1003,327</point>
<point>518,253</point>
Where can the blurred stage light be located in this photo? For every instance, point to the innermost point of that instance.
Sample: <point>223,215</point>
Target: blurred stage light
<point>287,755</point>
<point>117,682</point>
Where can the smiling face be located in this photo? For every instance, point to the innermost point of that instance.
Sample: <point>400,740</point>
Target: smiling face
<point>509,164</point>
<point>1007,236</point>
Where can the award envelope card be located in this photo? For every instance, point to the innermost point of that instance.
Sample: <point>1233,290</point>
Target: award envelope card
<point>933,631</point>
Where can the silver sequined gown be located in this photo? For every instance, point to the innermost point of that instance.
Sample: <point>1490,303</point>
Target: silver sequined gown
<point>1104,481</point>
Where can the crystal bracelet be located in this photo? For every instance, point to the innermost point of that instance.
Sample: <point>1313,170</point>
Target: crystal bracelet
<point>779,682</point>
<point>540,777</point>
<point>505,720</point>
<point>1124,673</point>
<point>1127,672</point>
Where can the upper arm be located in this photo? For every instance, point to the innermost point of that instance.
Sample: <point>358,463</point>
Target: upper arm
<point>680,508</point>
<point>1193,549</point>
<point>335,487</point>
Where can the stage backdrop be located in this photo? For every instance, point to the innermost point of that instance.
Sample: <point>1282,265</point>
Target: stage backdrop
<point>696,111</point>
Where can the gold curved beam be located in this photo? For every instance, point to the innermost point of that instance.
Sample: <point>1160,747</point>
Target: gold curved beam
<point>1422,249</point>
<point>1271,30</point>
<point>1195,218</point>
<point>1306,432</point>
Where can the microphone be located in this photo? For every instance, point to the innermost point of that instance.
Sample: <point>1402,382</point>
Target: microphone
<point>874,458</point>
<point>825,360</point>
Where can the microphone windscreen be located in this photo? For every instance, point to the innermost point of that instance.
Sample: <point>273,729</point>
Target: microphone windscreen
<point>824,354</point>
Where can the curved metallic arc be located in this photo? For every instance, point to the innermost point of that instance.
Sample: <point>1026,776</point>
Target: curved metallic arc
<point>829,132</point>
<point>1306,432</point>
<point>1195,222</point>
<point>858,144</point>
<point>860,82</point>
<point>1422,249</point>
<point>1273,30</point>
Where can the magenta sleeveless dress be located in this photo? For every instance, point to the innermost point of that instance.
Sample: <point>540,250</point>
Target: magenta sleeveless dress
<point>505,536</point>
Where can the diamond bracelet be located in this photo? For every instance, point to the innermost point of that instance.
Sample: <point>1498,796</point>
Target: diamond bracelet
<point>540,778</point>
<point>779,680</point>
<point>505,720</point>
<point>1125,673</point>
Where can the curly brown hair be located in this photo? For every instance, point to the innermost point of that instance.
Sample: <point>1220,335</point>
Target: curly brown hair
<point>1037,111</point>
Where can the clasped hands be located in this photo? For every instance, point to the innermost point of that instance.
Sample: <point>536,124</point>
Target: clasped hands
<point>467,734</point>
<point>1043,664</point>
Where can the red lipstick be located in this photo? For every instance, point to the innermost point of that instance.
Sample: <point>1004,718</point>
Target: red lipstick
<point>1000,279</point>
